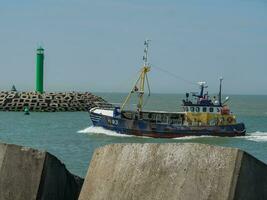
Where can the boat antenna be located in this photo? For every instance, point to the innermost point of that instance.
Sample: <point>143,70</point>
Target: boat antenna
<point>145,57</point>
<point>139,85</point>
<point>220,92</point>
<point>202,85</point>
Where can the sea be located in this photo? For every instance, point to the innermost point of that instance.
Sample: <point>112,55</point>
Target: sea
<point>72,138</point>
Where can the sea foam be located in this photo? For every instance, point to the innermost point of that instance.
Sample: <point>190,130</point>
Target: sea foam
<point>100,130</point>
<point>256,136</point>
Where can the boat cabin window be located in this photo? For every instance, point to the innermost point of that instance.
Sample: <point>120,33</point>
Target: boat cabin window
<point>202,109</point>
<point>148,116</point>
<point>162,118</point>
<point>176,119</point>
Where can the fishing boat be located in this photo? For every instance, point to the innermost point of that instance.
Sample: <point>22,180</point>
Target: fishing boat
<point>200,115</point>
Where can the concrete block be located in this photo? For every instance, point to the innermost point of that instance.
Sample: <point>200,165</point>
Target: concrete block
<point>24,96</point>
<point>28,174</point>
<point>74,101</point>
<point>10,96</point>
<point>75,105</point>
<point>71,109</point>
<point>50,109</point>
<point>67,101</point>
<point>67,98</point>
<point>55,101</point>
<point>15,100</point>
<point>2,100</point>
<point>3,95</point>
<point>173,171</point>
<point>71,94</point>
<point>61,109</point>
<point>32,105</point>
<point>48,101</point>
<point>64,105</point>
<point>12,109</point>
<point>48,97</point>
<point>32,93</point>
<point>81,109</point>
<point>34,100</point>
<point>41,96</point>
<point>77,98</point>
<point>81,102</point>
<point>34,96</point>
<point>53,105</point>
<point>58,97</point>
<point>50,94</point>
<point>19,106</point>
<point>9,104</point>
<point>41,100</point>
<point>43,104</point>
<point>27,101</point>
<point>38,109</point>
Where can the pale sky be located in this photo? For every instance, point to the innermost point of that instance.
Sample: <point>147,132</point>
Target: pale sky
<point>98,45</point>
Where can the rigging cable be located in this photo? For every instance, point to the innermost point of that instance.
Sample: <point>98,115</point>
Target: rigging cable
<point>174,75</point>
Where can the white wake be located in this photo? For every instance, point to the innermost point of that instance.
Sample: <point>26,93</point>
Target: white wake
<point>256,136</point>
<point>194,137</point>
<point>100,130</point>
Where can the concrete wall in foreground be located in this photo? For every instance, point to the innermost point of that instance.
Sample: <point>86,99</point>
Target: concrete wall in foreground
<point>29,174</point>
<point>173,171</point>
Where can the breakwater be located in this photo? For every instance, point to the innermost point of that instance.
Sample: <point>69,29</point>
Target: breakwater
<point>48,102</point>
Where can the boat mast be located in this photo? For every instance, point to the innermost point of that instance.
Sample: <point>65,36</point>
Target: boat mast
<point>139,86</point>
<point>220,92</point>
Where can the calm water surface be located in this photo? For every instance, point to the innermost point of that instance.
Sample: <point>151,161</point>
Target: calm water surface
<point>72,139</point>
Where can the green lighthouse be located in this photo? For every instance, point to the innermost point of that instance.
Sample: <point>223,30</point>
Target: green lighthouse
<point>40,70</point>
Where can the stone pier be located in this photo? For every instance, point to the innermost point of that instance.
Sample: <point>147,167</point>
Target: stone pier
<point>48,102</point>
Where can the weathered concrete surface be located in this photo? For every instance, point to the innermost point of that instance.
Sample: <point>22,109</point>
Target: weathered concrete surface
<point>173,171</point>
<point>28,174</point>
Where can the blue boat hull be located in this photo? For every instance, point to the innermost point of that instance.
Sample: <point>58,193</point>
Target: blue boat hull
<point>144,128</point>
